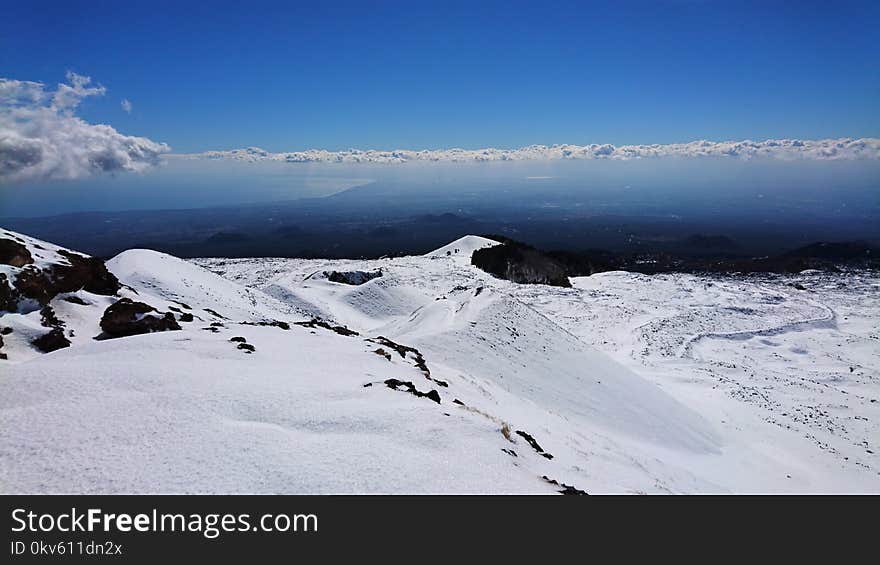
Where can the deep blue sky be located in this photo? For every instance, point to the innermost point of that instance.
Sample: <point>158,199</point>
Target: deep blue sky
<point>471,74</point>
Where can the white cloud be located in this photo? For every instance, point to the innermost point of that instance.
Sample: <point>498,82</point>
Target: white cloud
<point>126,105</point>
<point>42,139</point>
<point>68,96</point>
<point>785,149</point>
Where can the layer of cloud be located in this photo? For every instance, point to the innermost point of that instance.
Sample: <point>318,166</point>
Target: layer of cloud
<point>42,139</point>
<point>787,149</point>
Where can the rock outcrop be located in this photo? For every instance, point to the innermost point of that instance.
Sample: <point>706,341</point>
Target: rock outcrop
<point>352,277</point>
<point>51,341</point>
<point>520,263</point>
<point>43,284</point>
<point>14,253</point>
<point>126,317</point>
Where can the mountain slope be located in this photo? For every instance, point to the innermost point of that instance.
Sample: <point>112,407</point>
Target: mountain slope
<point>662,416</point>
<point>429,375</point>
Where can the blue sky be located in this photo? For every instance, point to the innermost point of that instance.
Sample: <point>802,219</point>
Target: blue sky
<point>470,74</point>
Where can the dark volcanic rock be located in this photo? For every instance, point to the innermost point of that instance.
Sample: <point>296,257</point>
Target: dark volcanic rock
<point>33,283</point>
<point>531,441</point>
<point>8,295</point>
<point>48,318</point>
<point>126,317</point>
<point>352,277</point>
<point>566,489</point>
<point>402,350</point>
<point>520,263</point>
<point>51,341</point>
<point>268,323</point>
<point>14,253</point>
<point>87,273</point>
<point>411,388</point>
<point>42,285</point>
<point>317,323</point>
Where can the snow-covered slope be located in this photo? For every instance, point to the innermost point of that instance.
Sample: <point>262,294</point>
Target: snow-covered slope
<point>433,377</point>
<point>463,247</point>
<point>717,384</point>
<point>176,280</point>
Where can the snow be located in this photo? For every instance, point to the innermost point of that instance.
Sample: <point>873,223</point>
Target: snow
<point>187,412</point>
<point>632,383</point>
<point>463,248</point>
<point>178,281</point>
<point>764,365</point>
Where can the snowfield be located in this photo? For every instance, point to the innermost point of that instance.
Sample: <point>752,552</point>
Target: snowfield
<point>436,377</point>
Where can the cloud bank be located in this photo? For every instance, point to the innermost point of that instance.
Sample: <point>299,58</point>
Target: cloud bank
<point>785,149</point>
<point>42,139</point>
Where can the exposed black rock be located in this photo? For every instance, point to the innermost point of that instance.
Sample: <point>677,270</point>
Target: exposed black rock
<point>402,350</point>
<point>186,317</point>
<point>247,347</point>
<point>411,388</point>
<point>73,299</point>
<point>531,441</point>
<point>352,277</point>
<point>42,285</point>
<point>34,284</point>
<point>238,339</point>
<point>317,323</point>
<point>566,489</point>
<point>520,263</point>
<point>126,317</point>
<point>86,273</point>
<point>48,318</point>
<point>381,352</point>
<point>14,253</point>
<point>51,341</point>
<point>209,311</point>
<point>8,295</point>
<point>271,323</point>
<point>418,358</point>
